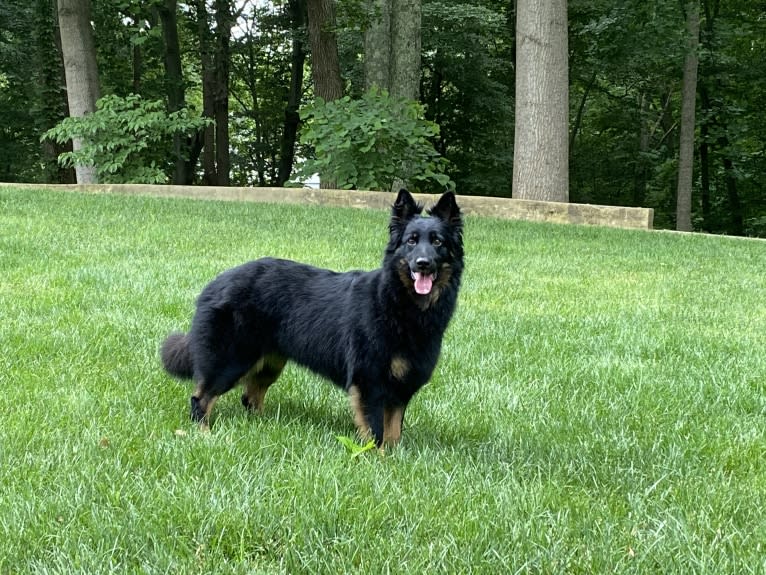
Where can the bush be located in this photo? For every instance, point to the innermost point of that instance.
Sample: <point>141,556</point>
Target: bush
<point>127,139</point>
<point>371,143</point>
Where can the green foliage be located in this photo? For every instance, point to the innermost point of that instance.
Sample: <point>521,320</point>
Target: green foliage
<point>467,89</point>
<point>371,142</point>
<point>127,139</point>
<point>353,448</point>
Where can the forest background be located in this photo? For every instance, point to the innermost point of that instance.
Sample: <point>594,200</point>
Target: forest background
<point>217,92</point>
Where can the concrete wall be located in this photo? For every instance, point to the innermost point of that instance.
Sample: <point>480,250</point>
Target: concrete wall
<point>506,208</point>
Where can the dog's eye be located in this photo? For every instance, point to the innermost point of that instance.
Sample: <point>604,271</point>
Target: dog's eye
<point>412,240</point>
<point>436,242</point>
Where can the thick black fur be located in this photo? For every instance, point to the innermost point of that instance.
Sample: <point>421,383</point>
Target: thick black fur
<point>370,333</point>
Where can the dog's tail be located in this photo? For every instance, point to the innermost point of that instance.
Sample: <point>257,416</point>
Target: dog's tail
<point>176,356</point>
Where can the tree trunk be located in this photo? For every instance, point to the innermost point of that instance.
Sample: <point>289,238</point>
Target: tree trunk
<point>406,16</point>
<point>580,113</point>
<point>705,160</point>
<point>224,21</point>
<point>641,174</point>
<point>688,105</point>
<point>737,224</point>
<point>297,10</point>
<point>80,69</point>
<point>325,65</point>
<point>392,47</point>
<point>541,157</point>
<point>209,176</point>
<point>47,89</point>
<point>377,46</point>
<point>174,87</point>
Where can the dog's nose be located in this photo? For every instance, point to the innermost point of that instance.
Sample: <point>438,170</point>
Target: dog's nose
<point>423,263</point>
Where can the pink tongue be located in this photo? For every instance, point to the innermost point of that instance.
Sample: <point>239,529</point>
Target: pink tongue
<point>423,283</point>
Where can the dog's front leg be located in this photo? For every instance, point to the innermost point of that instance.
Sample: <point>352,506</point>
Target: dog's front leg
<point>369,415</point>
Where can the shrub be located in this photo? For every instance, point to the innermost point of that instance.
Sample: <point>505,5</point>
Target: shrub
<point>127,139</point>
<point>372,142</point>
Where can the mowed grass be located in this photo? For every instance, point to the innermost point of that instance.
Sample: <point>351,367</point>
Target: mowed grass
<point>599,407</point>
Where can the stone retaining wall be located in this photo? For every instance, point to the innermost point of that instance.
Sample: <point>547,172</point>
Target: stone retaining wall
<point>506,208</point>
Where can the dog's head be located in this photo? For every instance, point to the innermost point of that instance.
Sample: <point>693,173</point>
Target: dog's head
<point>426,251</point>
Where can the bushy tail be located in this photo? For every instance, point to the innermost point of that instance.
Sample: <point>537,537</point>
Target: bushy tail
<point>176,357</point>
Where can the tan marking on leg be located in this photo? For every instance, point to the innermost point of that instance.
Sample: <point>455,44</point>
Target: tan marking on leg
<point>392,425</point>
<point>206,404</point>
<point>204,425</point>
<point>258,380</point>
<point>400,367</point>
<point>362,427</point>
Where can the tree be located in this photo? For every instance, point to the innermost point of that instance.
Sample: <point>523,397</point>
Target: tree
<point>80,68</point>
<point>688,105</point>
<point>541,157</point>
<point>467,89</point>
<point>176,93</point>
<point>214,32</point>
<point>392,46</point>
<point>325,64</point>
<point>297,11</point>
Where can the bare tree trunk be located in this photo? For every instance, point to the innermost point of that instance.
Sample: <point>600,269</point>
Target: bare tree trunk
<point>392,47</point>
<point>209,175</point>
<point>392,52</point>
<point>705,159</point>
<point>297,10</point>
<point>688,105</point>
<point>224,21</point>
<point>641,173</point>
<point>406,16</point>
<point>541,156</point>
<point>174,87</point>
<point>377,46</point>
<point>80,69</point>
<point>325,65</point>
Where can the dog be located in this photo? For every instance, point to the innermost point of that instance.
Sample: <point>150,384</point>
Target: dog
<point>375,334</point>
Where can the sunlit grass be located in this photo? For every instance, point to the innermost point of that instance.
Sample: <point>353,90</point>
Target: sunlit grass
<point>600,404</point>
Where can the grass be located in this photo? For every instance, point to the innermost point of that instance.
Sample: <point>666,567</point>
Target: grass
<point>600,404</point>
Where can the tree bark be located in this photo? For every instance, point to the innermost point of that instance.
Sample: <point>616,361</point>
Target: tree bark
<point>209,175</point>
<point>541,138</point>
<point>705,160</point>
<point>224,21</point>
<point>392,45</point>
<point>174,87</point>
<point>325,65</point>
<point>406,16</point>
<point>297,10</point>
<point>688,106</point>
<point>80,69</point>
<point>377,46</point>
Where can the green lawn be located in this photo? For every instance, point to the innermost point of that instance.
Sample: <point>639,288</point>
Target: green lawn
<point>600,404</point>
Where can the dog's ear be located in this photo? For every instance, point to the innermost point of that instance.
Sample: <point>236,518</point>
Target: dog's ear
<point>447,210</point>
<point>403,210</point>
<point>405,206</point>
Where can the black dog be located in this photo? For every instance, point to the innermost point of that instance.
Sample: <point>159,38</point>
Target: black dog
<point>375,334</point>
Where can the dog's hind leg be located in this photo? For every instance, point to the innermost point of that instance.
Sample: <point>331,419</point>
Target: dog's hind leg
<point>258,380</point>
